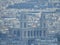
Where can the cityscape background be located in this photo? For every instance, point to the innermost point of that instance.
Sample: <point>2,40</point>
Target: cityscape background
<point>29,22</point>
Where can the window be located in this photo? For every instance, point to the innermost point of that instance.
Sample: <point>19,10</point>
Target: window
<point>24,24</point>
<point>40,32</point>
<point>37,33</point>
<point>28,33</point>
<point>44,33</point>
<point>24,33</point>
<point>34,33</point>
<point>21,24</point>
<point>17,32</point>
<point>23,17</point>
<point>31,33</point>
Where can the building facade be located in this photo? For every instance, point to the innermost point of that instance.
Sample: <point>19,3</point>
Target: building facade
<point>30,22</point>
